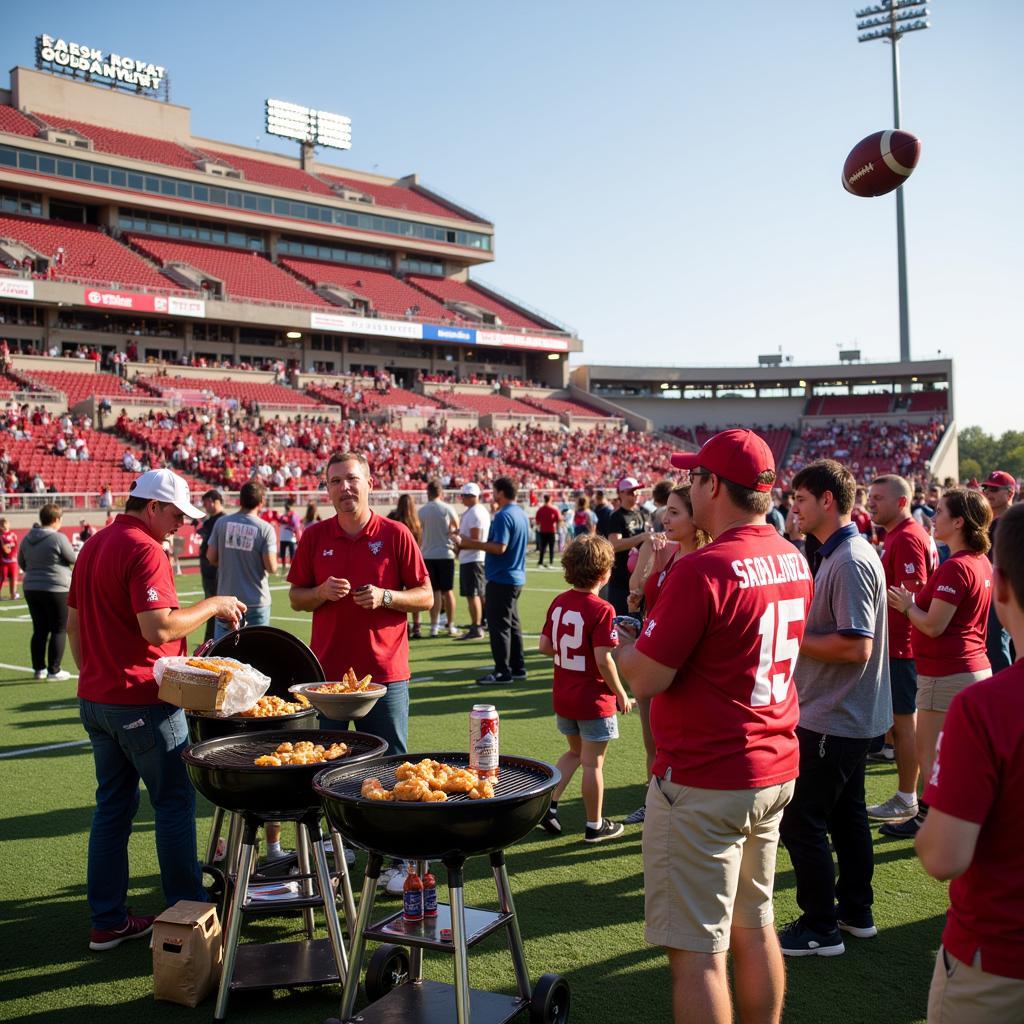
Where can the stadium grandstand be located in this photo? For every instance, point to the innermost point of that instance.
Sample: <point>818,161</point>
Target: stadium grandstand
<point>170,299</point>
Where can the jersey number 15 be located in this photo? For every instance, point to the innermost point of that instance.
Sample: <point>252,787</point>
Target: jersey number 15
<point>777,646</point>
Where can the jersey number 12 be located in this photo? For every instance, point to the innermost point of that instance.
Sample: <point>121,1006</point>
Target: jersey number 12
<point>570,640</point>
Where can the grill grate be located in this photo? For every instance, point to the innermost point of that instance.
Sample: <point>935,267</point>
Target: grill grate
<point>238,753</point>
<point>516,778</point>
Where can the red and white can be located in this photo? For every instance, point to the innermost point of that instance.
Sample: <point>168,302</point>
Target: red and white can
<point>483,740</point>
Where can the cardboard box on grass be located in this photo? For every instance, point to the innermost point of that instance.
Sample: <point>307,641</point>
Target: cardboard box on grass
<point>187,953</point>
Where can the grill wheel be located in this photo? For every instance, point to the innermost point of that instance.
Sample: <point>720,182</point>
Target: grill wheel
<point>388,968</point>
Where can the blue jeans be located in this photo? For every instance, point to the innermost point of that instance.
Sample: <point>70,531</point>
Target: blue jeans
<point>258,616</point>
<point>129,743</point>
<point>388,719</point>
<point>997,642</point>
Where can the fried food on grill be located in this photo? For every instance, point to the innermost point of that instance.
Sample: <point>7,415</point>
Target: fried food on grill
<point>303,752</point>
<point>272,707</point>
<point>429,781</point>
<point>373,790</point>
<point>350,683</point>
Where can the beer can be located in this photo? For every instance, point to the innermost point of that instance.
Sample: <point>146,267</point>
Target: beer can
<point>483,740</point>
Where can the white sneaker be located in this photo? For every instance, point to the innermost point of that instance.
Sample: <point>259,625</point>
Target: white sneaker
<point>41,674</point>
<point>396,883</point>
<point>435,631</point>
<point>387,875</point>
<point>454,631</point>
<point>61,675</point>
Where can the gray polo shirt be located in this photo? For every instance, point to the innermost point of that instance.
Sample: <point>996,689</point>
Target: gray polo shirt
<point>437,520</point>
<point>241,540</point>
<point>849,598</point>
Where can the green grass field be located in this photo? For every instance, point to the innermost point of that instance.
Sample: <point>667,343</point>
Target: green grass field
<point>580,907</point>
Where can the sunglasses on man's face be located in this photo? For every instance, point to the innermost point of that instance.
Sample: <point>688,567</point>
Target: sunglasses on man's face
<point>993,487</point>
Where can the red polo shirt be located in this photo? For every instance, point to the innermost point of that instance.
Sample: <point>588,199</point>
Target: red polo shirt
<point>122,571</point>
<point>548,518</point>
<point>385,554</point>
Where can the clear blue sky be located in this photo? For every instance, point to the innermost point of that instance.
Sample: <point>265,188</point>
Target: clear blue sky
<point>663,176</point>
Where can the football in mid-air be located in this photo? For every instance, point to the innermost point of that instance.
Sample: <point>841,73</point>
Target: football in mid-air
<point>881,163</point>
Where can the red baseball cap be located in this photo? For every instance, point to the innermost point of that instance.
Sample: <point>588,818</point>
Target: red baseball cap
<point>740,456</point>
<point>999,478</point>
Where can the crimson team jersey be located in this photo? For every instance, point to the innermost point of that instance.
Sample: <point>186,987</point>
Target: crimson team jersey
<point>653,585</point>
<point>384,554</point>
<point>730,619</point>
<point>965,581</point>
<point>8,546</point>
<point>124,570</point>
<point>908,562</point>
<point>978,777</point>
<point>548,517</point>
<point>576,623</point>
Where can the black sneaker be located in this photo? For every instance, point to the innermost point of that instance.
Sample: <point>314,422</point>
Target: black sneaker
<point>493,678</point>
<point>796,939</point>
<point>519,675</point>
<point>859,927</point>
<point>609,830</point>
<point>473,633</point>
<point>903,829</point>
<point>887,755</point>
<point>550,822</point>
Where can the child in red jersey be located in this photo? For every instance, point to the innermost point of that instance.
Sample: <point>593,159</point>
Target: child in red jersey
<point>579,633</point>
<point>8,559</point>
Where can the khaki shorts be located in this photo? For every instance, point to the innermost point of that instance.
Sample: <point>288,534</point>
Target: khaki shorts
<point>962,994</point>
<point>936,693</point>
<point>709,862</point>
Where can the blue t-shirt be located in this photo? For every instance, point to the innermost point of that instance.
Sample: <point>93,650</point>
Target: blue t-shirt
<point>511,528</point>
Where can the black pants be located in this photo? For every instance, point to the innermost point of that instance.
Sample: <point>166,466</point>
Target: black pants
<point>209,590</point>
<point>502,610</point>
<point>618,598</point>
<point>49,611</point>
<point>829,798</point>
<point>546,541</point>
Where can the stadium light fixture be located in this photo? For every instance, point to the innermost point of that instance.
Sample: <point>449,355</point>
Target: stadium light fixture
<point>294,335</point>
<point>553,356</point>
<point>891,20</point>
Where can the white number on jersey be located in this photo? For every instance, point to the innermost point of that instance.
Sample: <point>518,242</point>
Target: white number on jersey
<point>776,646</point>
<point>571,640</point>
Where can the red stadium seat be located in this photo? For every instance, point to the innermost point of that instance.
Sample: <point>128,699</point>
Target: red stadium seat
<point>446,290</point>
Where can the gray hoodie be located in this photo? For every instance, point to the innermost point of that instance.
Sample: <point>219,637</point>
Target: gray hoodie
<point>46,557</point>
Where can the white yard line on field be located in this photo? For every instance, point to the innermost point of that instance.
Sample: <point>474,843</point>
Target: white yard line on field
<point>25,668</point>
<point>39,750</point>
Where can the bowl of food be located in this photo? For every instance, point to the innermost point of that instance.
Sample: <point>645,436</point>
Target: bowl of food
<point>350,697</point>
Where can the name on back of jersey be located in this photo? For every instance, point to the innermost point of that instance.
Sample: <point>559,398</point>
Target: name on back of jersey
<point>769,570</point>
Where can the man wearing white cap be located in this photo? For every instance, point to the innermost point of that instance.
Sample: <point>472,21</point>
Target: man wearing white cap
<point>473,525</point>
<point>627,528</point>
<point>123,614</point>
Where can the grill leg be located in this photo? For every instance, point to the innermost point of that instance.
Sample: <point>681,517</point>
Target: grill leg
<point>302,846</point>
<point>515,939</point>
<point>215,826</point>
<point>341,870</point>
<point>234,840</point>
<point>355,963</point>
<point>458,909</point>
<point>323,877</point>
<point>247,857</point>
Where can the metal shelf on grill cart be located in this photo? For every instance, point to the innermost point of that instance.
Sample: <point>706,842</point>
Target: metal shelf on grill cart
<point>284,965</point>
<point>430,1002</point>
<point>426,933</point>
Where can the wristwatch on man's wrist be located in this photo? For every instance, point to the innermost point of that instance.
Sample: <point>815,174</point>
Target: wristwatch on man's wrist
<point>386,600</point>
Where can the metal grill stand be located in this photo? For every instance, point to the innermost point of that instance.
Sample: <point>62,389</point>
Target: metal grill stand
<point>429,1002</point>
<point>306,962</point>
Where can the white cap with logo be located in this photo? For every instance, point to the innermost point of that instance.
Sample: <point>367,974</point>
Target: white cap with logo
<point>470,488</point>
<point>163,485</point>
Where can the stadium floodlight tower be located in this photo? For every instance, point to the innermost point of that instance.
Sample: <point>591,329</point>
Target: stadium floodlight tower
<point>308,127</point>
<point>891,20</point>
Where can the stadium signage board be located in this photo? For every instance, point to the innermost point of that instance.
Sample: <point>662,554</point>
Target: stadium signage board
<point>16,289</point>
<point>172,305</point>
<point>56,54</point>
<point>433,332</point>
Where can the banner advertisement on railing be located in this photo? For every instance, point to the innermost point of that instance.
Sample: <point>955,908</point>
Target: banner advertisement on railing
<point>364,325</point>
<point>450,333</point>
<point>14,288</point>
<point>174,305</point>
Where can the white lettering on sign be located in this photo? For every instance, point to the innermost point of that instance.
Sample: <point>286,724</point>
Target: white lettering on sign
<point>54,51</point>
